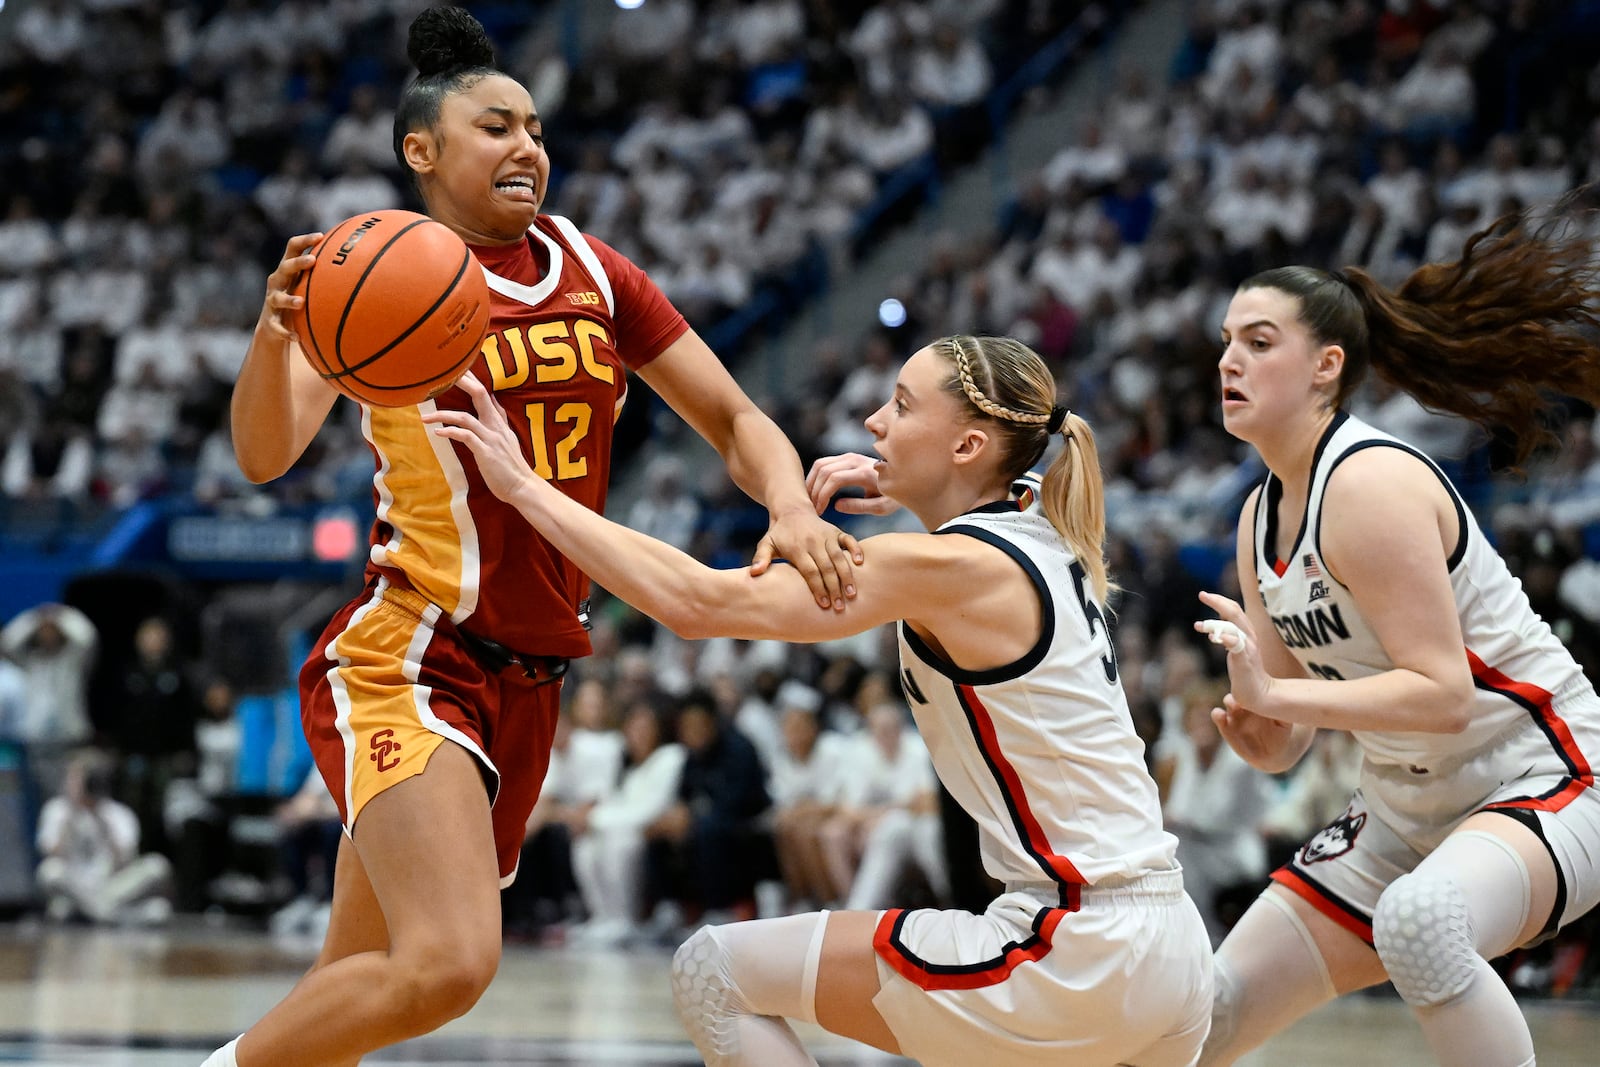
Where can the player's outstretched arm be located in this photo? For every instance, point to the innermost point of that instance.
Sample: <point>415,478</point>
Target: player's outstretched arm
<point>761,461</point>
<point>279,401</point>
<point>674,588</point>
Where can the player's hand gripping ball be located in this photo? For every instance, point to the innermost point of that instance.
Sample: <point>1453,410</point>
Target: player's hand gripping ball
<point>395,308</point>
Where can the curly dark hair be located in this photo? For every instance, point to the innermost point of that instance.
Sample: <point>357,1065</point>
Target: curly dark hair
<point>451,52</point>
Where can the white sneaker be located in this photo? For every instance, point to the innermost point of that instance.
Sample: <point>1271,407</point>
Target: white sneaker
<point>666,920</point>
<point>223,1057</point>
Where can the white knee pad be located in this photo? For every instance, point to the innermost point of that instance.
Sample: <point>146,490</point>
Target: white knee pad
<point>722,974</point>
<point>705,995</point>
<point>1423,933</point>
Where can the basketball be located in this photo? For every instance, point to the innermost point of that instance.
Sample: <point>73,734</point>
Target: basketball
<point>395,308</point>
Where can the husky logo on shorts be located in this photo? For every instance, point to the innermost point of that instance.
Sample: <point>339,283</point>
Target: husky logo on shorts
<point>1335,839</point>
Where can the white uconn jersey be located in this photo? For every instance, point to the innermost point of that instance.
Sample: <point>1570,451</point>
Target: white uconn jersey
<point>1042,752</point>
<point>1519,667</point>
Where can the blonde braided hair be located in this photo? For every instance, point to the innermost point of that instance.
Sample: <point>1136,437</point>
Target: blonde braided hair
<point>982,402</point>
<point>1072,493</point>
<point>1053,421</point>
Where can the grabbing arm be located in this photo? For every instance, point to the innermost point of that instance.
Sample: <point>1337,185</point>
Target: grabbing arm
<point>761,461</point>
<point>909,575</point>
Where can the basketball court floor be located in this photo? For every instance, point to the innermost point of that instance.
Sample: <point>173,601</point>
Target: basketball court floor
<point>80,997</point>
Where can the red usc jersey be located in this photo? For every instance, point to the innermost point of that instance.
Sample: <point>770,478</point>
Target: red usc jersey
<point>569,317</point>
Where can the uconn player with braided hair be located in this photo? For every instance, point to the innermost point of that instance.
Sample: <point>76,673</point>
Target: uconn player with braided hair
<point>1374,604</point>
<point>1093,954</point>
<point>430,701</point>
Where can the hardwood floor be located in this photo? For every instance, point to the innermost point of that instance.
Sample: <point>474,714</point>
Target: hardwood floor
<point>80,997</point>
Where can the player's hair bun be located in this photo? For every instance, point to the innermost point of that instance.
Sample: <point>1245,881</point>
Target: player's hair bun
<point>446,38</point>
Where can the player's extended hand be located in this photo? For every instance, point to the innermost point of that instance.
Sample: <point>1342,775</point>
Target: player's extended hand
<point>832,474</point>
<point>1249,681</point>
<point>820,551</point>
<point>1259,741</point>
<point>297,258</point>
<point>493,443</point>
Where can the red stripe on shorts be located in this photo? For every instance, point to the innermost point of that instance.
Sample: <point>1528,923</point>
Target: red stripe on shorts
<point>1540,705</point>
<point>1318,898</point>
<point>931,976</point>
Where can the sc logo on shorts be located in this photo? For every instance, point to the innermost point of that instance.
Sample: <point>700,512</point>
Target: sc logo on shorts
<point>384,747</point>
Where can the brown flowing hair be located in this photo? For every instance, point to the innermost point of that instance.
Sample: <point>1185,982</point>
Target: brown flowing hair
<point>1004,381</point>
<point>1496,337</point>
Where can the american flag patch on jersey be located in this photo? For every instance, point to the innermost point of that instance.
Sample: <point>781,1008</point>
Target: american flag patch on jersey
<point>1312,570</point>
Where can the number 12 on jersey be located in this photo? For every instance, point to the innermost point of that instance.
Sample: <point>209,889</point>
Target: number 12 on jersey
<point>575,415</point>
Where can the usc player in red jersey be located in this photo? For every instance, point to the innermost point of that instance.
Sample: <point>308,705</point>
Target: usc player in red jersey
<point>430,700</point>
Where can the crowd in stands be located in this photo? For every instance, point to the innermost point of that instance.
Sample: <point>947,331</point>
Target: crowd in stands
<point>157,156</point>
<point>1331,134</point>
<point>717,144</point>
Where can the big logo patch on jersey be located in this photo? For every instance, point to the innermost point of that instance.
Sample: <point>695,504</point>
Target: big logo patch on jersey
<point>1335,839</point>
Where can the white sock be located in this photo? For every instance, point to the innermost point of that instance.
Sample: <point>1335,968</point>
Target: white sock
<point>223,1057</point>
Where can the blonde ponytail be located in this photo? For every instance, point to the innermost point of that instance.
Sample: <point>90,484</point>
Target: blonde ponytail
<point>1073,498</point>
<point>1006,381</point>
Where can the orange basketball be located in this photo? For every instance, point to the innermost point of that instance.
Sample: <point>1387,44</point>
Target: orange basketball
<point>395,308</point>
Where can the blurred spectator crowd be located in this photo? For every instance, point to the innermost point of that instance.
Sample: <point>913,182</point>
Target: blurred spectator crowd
<point>719,144</point>
<point>156,156</point>
<point>1327,133</point>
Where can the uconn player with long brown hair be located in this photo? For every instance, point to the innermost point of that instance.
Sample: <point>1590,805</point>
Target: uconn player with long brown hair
<point>430,701</point>
<point>1374,604</point>
<point>1093,954</point>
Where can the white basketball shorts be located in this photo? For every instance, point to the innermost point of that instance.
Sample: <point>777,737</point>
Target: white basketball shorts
<point>1126,979</point>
